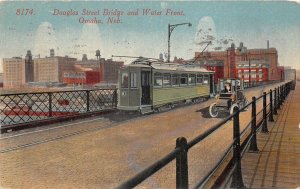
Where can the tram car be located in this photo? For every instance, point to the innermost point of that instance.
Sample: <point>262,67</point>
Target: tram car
<point>148,86</point>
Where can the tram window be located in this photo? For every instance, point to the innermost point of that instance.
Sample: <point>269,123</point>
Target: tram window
<point>175,79</point>
<point>133,80</point>
<point>199,79</point>
<point>124,83</point>
<point>192,79</point>
<point>158,80</point>
<point>205,79</point>
<point>183,79</point>
<point>167,80</point>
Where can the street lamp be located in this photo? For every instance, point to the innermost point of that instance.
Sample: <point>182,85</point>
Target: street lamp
<point>171,27</point>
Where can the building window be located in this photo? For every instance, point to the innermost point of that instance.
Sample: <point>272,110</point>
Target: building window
<point>124,83</point>
<point>192,79</point>
<point>133,80</point>
<point>167,80</point>
<point>158,79</point>
<point>175,79</point>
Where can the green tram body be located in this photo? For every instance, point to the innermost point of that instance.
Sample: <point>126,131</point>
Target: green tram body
<point>144,85</point>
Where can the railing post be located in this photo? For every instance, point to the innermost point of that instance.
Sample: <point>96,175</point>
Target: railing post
<point>50,104</point>
<point>182,181</point>
<point>271,106</point>
<point>87,100</point>
<point>253,144</point>
<point>237,178</point>
<point>265,123</point>
<point>284,94</point>
<point>275,101</point>
<point>279,97</point>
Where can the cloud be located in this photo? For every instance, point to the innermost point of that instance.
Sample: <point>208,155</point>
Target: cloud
<point>45,39</point>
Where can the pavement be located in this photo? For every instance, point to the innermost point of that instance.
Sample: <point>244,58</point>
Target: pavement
<point>104,153</point>
<point>277,164</point>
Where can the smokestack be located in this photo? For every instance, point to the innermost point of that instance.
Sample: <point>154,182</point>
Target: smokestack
<point>268,44</point>
<point>51,52</point>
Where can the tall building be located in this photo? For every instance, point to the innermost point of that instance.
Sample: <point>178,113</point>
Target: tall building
<point>51,69</point>
<point>29,73</point>
<point>13,72</point>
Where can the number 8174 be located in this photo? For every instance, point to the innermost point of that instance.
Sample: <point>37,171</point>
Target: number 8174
<point>21,12</point>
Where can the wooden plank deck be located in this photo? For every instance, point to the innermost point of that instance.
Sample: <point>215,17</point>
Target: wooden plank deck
<point>277,164</point>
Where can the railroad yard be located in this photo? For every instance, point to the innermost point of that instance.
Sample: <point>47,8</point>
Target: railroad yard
<point>102,152</point>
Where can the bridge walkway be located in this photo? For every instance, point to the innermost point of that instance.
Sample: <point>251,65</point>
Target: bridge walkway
<point>277,164</point>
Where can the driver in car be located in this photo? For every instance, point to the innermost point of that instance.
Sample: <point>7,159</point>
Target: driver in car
<point>228,90</point>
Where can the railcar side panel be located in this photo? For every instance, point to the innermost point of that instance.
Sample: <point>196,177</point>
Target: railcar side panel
<point>173,94</point>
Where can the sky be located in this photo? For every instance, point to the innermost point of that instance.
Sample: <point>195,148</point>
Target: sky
<point>221,22</point>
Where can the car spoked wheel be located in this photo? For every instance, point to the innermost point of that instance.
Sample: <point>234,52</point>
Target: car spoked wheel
<point>213,110</point>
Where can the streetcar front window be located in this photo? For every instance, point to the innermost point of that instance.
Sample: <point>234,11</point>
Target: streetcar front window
<point>124,81</point>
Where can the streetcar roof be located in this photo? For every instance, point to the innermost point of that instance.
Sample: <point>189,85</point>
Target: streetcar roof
<point>169,66</point>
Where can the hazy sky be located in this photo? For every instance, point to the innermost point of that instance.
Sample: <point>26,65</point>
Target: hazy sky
<point>252,23</point>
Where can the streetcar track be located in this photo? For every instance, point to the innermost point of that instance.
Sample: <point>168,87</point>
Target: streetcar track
<point>55,138</point>
<point>51,128</point>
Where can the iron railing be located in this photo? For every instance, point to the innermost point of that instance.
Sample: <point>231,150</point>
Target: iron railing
<point>180,153</point>
<point>24,108</point>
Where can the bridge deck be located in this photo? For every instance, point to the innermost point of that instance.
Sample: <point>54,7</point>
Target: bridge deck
<point>277,164</point>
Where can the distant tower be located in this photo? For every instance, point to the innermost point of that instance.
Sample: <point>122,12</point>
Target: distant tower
<point>51,52</point>
<point>268,45</point>
<point>84,57</point>
<point>232,46</point>
<point>161,57</point>
<point>28,67</point>
<point>98,55</point>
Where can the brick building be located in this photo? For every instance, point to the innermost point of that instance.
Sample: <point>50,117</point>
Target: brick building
<point>268,55</point>
<point>107,68</point>
<point>51,69</point>
<point>232,57</point>
<point>13,72</point>
<point>81,78</point>
<point>227,57</point>
<point>256,73</point>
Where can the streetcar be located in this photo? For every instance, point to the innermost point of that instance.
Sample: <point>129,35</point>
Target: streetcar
<point>149,85</point>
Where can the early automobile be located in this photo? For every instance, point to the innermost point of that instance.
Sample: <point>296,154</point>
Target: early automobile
<point>230,95</point>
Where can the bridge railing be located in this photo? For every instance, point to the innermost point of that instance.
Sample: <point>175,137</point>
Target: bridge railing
<point>259,120</point>
<point>24,108</point>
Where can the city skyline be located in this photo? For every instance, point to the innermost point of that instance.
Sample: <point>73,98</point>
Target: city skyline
<point>252,23</point>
